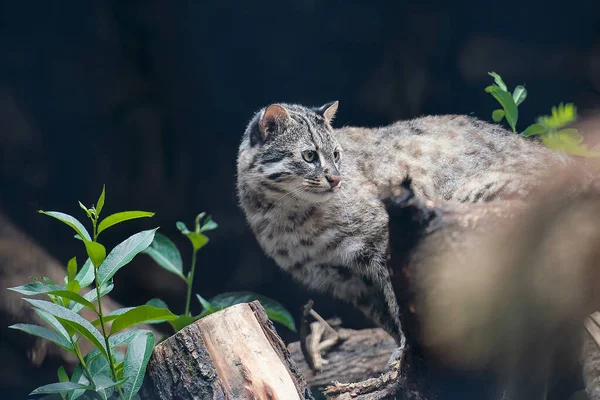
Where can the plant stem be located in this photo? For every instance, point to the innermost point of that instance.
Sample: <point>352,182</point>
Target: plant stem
<point>80,358</point>
<point>106,341</point>
<point>190,281</point>
<point>113,370</point>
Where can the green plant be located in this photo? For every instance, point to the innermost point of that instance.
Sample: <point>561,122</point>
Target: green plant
<point>105,371</point>
<point>554,133</point>
<point>509,102</point>
<point>166,254</point>
<point>552,129</point>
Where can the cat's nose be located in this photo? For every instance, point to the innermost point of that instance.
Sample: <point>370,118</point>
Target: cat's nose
<point>334,180</point>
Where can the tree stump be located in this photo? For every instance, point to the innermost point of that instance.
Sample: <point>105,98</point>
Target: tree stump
<point>363,355</point>
<point>232,354</point>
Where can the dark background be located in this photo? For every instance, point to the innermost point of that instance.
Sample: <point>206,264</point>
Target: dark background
<point>151,98</point>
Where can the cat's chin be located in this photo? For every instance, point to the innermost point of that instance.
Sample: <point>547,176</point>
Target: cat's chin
<point>318,197</point>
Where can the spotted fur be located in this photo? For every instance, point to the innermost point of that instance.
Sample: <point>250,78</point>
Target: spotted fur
<point>334,239</point>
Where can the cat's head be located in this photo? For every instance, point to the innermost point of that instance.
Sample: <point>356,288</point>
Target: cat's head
<point>291,150</point>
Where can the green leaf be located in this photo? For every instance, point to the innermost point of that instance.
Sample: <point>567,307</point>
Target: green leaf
<point>570,135</point>
<point>73,286</point>
<point>205,303</point>
<point>87,211</point>
<point>568,142</point>
<point>62,374</point>
<point>100,203</point>
<point>283,317</point>
<point>182,228</point>
<point>69,220</point>
<point>534,129</point>
<point>498,80</point>
<point>136,360</point>
<point>275,311</point>
<point>197,221</point>
<point>34,288</point>
<point>182,321</point>
<point>111,316</point>
<point>123,253</point>
<point>123,338</point>
<point>92,296</point>
<point>104,385</point>
<point>62,377</point>
<point>67,294</point>
<point>510,108</point>
<point>44,333</point>
<point>158,303</point>
<point>497,115</point>
<point>561,116</point>
<point>72,269</point>
<point>58,388</point>
<point>140,315</point>
<point>165,253</point>
<point>119,369</point>
<point>98,365</point>
<point>198,240</point>
<point>54,323</point>
<point>79,377</point>
<point>49,289</point>
<point>122,217</point>
<point>70,319</point>
<point>208,225</point>
<point>85,276</point>
<point>519,94</point>
<point>95,251</point>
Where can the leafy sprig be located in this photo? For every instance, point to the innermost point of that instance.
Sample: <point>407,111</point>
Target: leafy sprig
<point>552,129</point>
<point>105,370</point>
<point>166,254</point>
<point>509,102</point>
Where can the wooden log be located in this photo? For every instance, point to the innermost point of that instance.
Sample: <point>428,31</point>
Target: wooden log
<point>232,354</point>
<point>362,355</point>
<point>492,295</point>
<point>481,289</point>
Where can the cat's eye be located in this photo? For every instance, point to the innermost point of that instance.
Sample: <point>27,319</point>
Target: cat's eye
<point>336,156</point>
<point>309,155</point>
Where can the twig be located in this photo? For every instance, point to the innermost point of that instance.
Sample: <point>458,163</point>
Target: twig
<point>322,321</point>
<point>306,309</point>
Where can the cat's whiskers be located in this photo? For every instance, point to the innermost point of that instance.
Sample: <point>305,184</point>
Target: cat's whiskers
<point>298,189</point>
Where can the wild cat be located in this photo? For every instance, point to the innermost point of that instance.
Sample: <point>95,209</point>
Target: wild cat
<point>311,193</point>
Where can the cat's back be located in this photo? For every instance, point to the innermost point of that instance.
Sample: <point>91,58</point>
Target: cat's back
<point>445,153</point>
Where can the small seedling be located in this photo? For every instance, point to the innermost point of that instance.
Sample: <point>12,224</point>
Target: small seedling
<point>509,102</point>
<point>166,254</point>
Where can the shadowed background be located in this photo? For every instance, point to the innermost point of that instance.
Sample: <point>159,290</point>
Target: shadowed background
<point>151,98</point>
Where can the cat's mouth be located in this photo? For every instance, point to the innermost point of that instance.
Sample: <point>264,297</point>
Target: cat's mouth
<point>328,190</point>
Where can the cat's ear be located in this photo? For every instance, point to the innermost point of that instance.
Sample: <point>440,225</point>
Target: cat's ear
<point>328,110</point>
<point>274,117</point>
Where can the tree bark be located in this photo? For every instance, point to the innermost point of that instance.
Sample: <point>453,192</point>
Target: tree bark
<point>363,355</point>
<point>232,354</point>
<point>493,295</point>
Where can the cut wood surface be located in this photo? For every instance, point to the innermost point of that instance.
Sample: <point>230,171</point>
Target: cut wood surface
<point>232,354</point>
